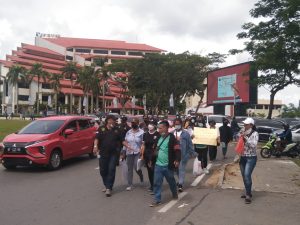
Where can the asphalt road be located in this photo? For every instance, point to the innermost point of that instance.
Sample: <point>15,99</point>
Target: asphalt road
<point>71,195</point>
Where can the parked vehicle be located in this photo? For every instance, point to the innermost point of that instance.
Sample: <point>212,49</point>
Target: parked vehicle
<point>265,133</point>
<point>49,141</point>
<point>271,149</point>
<point>217,118</point>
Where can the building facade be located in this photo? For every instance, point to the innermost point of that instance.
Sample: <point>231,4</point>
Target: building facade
<point>53,52</point>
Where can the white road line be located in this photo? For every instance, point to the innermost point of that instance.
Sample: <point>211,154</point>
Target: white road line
<point>199,178</point>
<point>172,203</point>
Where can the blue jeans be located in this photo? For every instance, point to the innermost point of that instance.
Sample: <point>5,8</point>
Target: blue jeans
<point>159,173</point>
<point>224,148</point>
<point>107,165</point>
<point>181,171</point>
<point>247,165</point>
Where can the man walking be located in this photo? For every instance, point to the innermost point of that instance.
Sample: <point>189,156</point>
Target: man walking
<point>225,136</point>
<point>108,141</point>
<point>186,149</point>
<point>168,158</point>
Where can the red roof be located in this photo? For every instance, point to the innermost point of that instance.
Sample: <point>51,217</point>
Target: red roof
<point>101,44</point>
<point>128,105</point>
<point>40,49</point>
<point>89,56</point>
<point>21,54</point>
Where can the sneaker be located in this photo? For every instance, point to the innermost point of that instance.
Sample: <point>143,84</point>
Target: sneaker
<point>244,196</point>
<point>108,193</point>
<point>180,188</point>
<point>154,204</point>
<point>104,190</point>
<point>206,171</point>
<point>150,189</point>
<point>129,188</point>
<point>248,200</point>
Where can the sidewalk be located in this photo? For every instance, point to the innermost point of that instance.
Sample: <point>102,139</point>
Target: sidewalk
<point>216,201</point>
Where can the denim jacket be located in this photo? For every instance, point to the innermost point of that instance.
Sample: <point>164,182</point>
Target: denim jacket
<point>186,145</point>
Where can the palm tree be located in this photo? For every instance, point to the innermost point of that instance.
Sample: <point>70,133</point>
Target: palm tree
<point>85,81</point>
<point>105,75</point>
<point>14,75</point>
<point>96,87</point>
<point>55,83</point>
<point>70,71</point>
<point>37,70</point>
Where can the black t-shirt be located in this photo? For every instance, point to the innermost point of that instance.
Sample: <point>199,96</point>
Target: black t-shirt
<point>109,141</point>
<point>150,141</point>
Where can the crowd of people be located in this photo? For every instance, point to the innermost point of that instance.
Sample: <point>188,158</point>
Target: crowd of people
<point>165,148</point>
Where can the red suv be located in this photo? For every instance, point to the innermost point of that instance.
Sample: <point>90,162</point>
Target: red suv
<point>49,141</point>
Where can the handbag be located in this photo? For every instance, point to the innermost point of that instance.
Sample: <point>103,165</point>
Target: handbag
<point>239,148</point>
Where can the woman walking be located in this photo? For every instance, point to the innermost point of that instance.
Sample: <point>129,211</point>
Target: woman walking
<point>149,141</point>
<point>248,158</point>
<point>133,143</point>
<point>225,136</point>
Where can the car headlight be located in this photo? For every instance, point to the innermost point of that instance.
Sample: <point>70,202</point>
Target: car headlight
<point>34,143</point>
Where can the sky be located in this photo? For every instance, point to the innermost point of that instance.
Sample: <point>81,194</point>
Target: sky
<point>198,26</point>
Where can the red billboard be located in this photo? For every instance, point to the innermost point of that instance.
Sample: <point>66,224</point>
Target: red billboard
<point>231,85</point>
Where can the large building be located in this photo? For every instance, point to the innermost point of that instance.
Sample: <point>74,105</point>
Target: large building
<point>53,52</point>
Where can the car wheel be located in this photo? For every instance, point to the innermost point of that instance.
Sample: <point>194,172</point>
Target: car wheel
<point>55,160</point>
<point>92,155</point>
<point>265,153</point>
<point>9,167</point>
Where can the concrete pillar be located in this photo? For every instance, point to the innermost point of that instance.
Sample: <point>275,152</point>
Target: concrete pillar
<point>79,104</point>
<point>66,99</point>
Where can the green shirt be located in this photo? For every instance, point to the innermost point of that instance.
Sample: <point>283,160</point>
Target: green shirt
<point>163,153</point>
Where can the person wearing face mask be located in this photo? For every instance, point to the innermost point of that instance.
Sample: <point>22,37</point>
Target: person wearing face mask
<point>106,145</point>
<point>149,139</point>
<point>186,149</point>
<point>212,150</point>
<point>248,158</point>
<point>133,143</point>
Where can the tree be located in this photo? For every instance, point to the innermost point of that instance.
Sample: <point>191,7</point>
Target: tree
<point>55,83</point>
<point>85,81</point>
<point>160,75</point>
<point>70,71</point>
<point>274,44</point>
<point>104,75</point>
<point>14,75</point>
<point>290,111</point>
<point>37,70</point>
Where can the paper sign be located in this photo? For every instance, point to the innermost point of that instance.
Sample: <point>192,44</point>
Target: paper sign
<point>205,136</point>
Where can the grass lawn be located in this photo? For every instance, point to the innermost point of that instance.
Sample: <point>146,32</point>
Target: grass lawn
<point>11,126</point>
<point>297,161</point>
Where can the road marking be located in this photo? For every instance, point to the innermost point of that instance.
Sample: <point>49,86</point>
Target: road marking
<point>199,178</point>
<point>172,203</point>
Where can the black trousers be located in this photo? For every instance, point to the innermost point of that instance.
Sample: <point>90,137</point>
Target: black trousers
<point>202,156</point>
<point>150,168</point>
<point>212,152</point>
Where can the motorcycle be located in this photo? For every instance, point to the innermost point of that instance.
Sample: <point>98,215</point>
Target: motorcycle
<point>272,148</point>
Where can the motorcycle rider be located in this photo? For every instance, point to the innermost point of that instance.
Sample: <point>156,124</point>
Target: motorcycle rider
<point>285,137</point>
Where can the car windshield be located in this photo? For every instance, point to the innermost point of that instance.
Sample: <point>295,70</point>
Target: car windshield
<point>42,127</point>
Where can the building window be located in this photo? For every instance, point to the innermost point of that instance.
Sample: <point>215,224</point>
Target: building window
<point>44,98</point>
<point>69,58</point>
<point>46,86</point>
<point>118,52</point>
<point>259,106</point>
<point>6,88</point>
<point>99,51</point>
<point>83,50</point>
<point>100,61</point>
<point>70,49</point>
<point>23,97</point>
<point>23,85</point>
<point>88,59</point>
<point>135,53</point>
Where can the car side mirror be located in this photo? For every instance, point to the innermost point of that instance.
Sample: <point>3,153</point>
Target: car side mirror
<point>68,132</point>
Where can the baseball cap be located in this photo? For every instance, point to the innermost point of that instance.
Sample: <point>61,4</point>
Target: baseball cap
<point>249,121</point>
